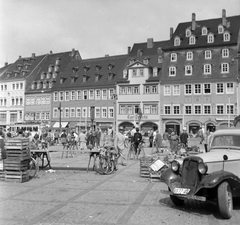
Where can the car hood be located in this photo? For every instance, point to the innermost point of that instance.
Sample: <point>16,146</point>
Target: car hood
<point>217,155</point>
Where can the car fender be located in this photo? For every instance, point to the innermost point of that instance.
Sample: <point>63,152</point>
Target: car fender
<point>168,177</point>
<point>213,179</point>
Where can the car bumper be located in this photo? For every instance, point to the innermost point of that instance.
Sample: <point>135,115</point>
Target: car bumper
<point>199,198</point>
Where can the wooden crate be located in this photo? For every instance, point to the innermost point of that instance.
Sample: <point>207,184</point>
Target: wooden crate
<point>17,143</point>
<point>2,175</point>
<point>15,164</point>
<point>16,176</point>
<point>154,177</point>
<point>22,154</point>
<point>144,166</point>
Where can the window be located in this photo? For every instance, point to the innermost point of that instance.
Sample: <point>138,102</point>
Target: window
<point>204,31</point>
<point>155,72</point>
<point>73,96</point>
<point>207,69</point>
<point>167,109</point>
<point>3,117</point>
<point>219,88</point>
<point>176,109</point>
<point>21,86</point>
<point>110,112</point>
<point>188,109</point>
<point>97,112</point>
<point>173,57</point>
<point>226,36</point>
<point>91,94</point>
<point>47,100</point>
<point>210,38</point>
<point>188,70</point>
<point>21,101</point>
<point>188,32</point>
<point>129,90</point>
<point>129,110</point>
<point>167,90</point>
<point>79,97</point>
<point>84,112</point>
<point>72,112</point>
<point>176,41</point>
<point>197,109</point>
<point>188,89</point>
<point>66,112</point>
<point>125,73</point>
<point>176,89</point>
<point>111,92</point>
<point>208,54</point>
<point>220,29</point>
<point>13,86</point>
<point>55,113</point>
<point>207,109</point>
<point>61,96</point>
<point>225,53</point>
<point>147,89</point>
<point>5,87</point>
<point>224,68</point>
<point>43,101</point>
<point>172,71</point>
<point>66,95</point>
<point>122,109</point>
<point>17,86</point>
<point>13,117</point>
<point>229,88</point>
<point>13,101</point>
<point>104,112</point>
<point>192,40</point>
<point>160,59</point>
<point>55,96</point>
<point>97,95</point>
<point>141,72</point>
<point>230,109</point>
<point>134,72</point>
<point>104,94</point>
<point>78,112</point>
<point>207,88</point>
<point>189,56</point>
<point>146,109</point>
<point>135,90</point>
<point>154,110</point>
<point>197,89</point>
<point>85,95</point>
<point>219,109</point>
<point>154,89</point>
<point>38,101</point>
<point>122,90</point>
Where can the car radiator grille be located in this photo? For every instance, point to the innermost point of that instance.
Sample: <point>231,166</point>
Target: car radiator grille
<point>190,174</point>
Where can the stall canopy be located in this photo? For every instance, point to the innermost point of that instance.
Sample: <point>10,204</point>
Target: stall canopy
<point>63,124</point>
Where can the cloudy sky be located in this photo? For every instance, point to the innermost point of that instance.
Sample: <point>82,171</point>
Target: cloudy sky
<point>95,27</point>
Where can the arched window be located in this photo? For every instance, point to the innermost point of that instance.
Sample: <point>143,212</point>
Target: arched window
<point>204,31</point>
<point>220,29</point>
<point>177,41</point>
<point>192,40</point>
<point>226,36</point>
<point>210,38</point>
<point>188,32</point>
<point>225,53</point>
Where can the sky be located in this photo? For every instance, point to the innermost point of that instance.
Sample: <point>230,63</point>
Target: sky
<point>95,27</point>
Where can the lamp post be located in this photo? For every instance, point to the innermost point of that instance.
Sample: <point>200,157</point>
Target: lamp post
<point>237,82</point>
<point>59,108</point>
<point>229,111</point>
<point>115,98</point>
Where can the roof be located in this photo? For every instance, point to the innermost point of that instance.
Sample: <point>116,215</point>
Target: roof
<point>201,41</point>
<point>108,69</point>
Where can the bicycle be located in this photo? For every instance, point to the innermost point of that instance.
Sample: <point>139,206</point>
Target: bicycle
<point>140,149</point>
<point>131,152</point>
<point>33,167</point>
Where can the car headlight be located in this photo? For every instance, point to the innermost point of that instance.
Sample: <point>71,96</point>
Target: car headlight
<point>202,168</point>
<point>175,166</point>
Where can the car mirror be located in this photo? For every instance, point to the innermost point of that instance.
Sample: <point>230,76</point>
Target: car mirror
<point>225,157</point>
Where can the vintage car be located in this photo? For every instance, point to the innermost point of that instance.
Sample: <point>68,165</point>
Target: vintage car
<point>212,176</point>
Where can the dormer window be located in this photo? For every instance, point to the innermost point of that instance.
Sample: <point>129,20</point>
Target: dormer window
<point>73,79</point>
<point>49,75</point>
<point>16,73</point>
<point>56,68</point>
<point>110,76</point>
<point>160,59</point>
<point>188,32</point>
<point>50,68</point>
<point>177,41</point>
<point>58,61</point>
<point>86,68</point>
<point>98,67</point>
<point>173,57</point>
<point>131,61</point>
<point>125,73</point>
<point>33,85</point>
<point>192,40</point>
<point>54,75</point>
<point>139,52</point>
<point>226,36</point>
<point>19,66</point>
<point>50,84</point>
<point>146,60</point>
<point>8,74</point>
<point>204,31</point>
<point>24,72</point>
<point>97,77</point>
<point>26,65</point>
<point>43,74</point>
<point>110,66</point>
<point>39,85</point>
<point>210,38</point>
<point>45,85</point>
<point>220,29</point>
<point>155,72</point>
<point>159,51</point>
<point>84,78</point>
<point>61,80</point>
<point>74,69</point>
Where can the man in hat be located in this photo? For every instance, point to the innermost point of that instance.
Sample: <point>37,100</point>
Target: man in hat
<point>184,137</point>
<point>119,144</point>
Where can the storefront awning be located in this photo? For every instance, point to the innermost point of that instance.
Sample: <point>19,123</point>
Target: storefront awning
<point>57,124</point>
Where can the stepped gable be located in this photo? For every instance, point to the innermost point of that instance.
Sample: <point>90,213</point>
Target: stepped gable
<point>21,69</point>
<point>150,54</point>
<point>51,68</point>
<point>232,26</point>
<point>90,73</point>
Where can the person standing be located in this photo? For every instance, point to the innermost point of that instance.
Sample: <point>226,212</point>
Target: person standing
<point>165,140</point>
<point>98,136</point>
<point>82,140</point>
<point>151,138</point>
<point>119,144</point>
<point>158,140</point>
<point>137,138</point>
<point>174,141</point>
<point>184,137</point>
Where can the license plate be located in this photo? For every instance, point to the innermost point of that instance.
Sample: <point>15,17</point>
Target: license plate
<point>181,191</point>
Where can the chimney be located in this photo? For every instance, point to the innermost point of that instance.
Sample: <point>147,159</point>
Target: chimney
<point>33,55</point>
<point>171,32</point>
<point>20,57</point>
<point>6,63</point>
<point>149,42</point>
<point>106,55</point>
<point>129,49</point>
<point>193,21</point>
<point>51,52</point>
<point>73,51</point>
<point>224,20</point>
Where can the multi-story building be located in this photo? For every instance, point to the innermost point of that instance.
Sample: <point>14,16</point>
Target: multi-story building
<point>13,80</point>
<point>200,75</point>
<point>85,84</point>
<point>38,95</point>
<point>138,90</point>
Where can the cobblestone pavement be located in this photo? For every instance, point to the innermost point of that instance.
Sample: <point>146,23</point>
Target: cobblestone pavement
<point>77,197</point>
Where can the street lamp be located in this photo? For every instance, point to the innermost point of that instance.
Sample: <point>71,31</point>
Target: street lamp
<point>115,98</point>
<point>59,108</point>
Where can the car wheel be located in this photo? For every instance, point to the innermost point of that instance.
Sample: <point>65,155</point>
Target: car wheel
<point>225,201</point>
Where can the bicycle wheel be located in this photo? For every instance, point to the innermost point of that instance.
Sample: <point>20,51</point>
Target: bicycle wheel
<point>110,166</point>
<point>33,168</point>
<point>97,167</point>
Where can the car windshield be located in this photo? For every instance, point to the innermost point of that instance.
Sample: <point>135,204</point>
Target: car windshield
<point>232,141</point>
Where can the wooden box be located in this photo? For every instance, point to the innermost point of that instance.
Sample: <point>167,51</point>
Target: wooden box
<point>21,154</point>
<point>16,176</point>
<point>13,164</point>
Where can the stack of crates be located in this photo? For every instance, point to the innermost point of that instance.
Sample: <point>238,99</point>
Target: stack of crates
<point>145,162</point>
<point>17,159</point>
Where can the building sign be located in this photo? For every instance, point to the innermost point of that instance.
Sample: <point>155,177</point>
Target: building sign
<point>137,117</point>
